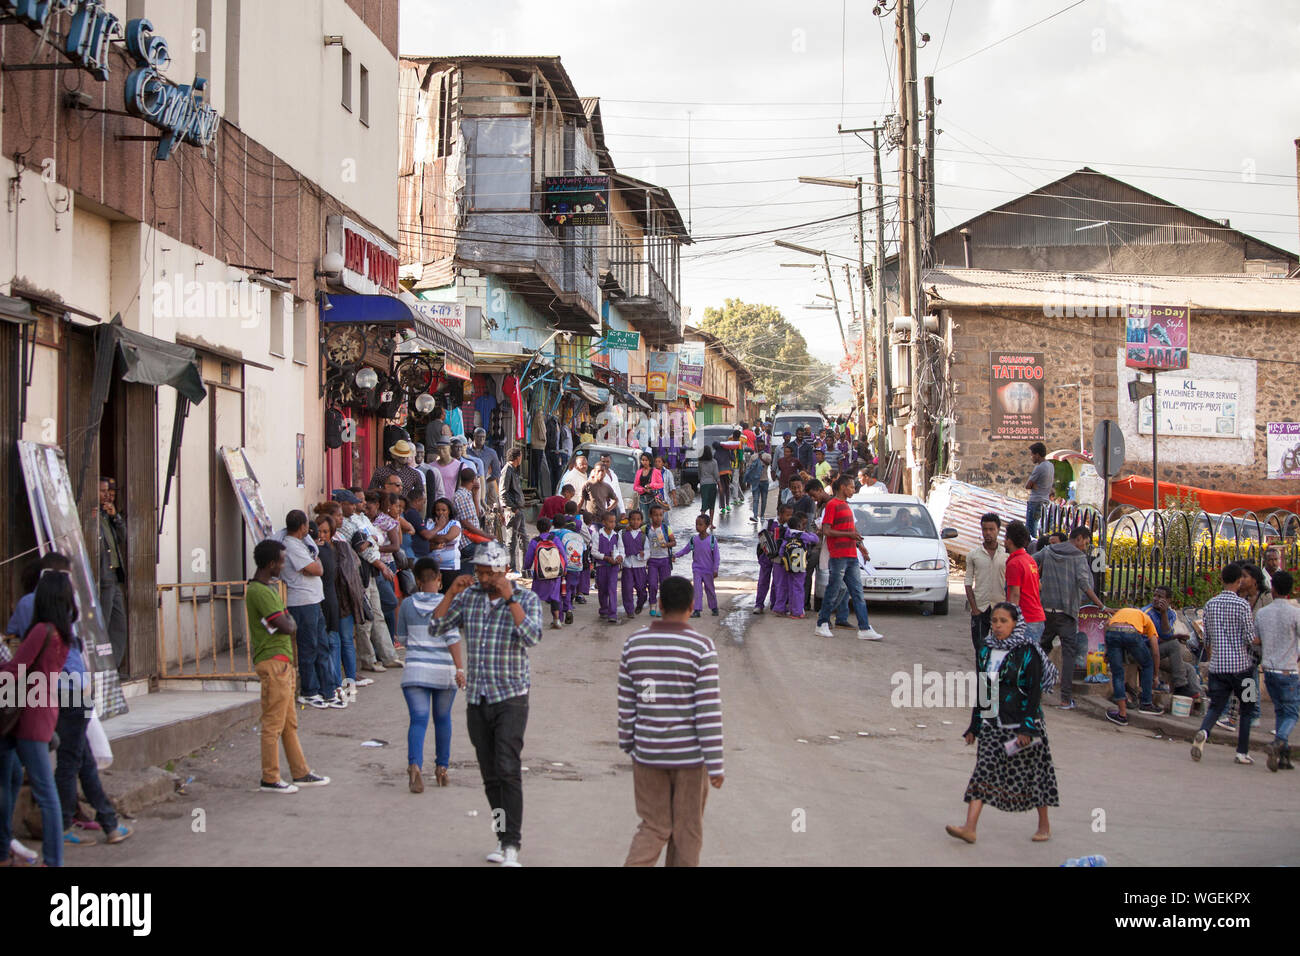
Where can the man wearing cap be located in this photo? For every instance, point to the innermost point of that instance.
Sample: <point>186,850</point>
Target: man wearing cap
<point>497,624</point>
<point>400,456</point>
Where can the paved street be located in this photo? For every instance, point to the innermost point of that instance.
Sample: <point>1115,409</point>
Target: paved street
<point>793,707</point>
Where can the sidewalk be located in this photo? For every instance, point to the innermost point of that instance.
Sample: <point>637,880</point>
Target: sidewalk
<point>1179,728</point>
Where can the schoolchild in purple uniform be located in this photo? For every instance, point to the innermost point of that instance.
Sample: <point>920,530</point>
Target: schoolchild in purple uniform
<point>790,584</point>
<point>659,555</point>
<point>634,565</point>
<point>607,552</point>
<point>572,570</point>
<point>584,579</point>
<point>704,563</point>
<point>776,526</point>
<point>548,591</point>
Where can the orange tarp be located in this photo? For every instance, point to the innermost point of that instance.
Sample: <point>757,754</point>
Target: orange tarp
<point>1136,491</point>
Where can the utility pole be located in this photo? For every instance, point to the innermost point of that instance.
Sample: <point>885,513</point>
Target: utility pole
<point>911,226</point>
<point>830,278</point>
<point>929,170</point>
<point>862,297</point>
<point>1297,169</point>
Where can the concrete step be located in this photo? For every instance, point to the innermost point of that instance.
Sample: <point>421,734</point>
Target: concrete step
<point>170,724</point>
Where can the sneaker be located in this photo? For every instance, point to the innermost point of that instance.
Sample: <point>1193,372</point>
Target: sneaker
<point>1066,705</point>
<point>695,614</point>
<point>1227,723</point>
<point>339,701</point>
<point>757,610</point>
<point>72,838</point>
<point>568,617</point>
<point>823,630</point>
<point>317,701</point>
<point>870,634</point>
<point>555,624</point>
<point>511,857</point>
<point>846,625</point>
<point>21,852</point>
<point>579,600</point>
<point>715,612</point>
<point>362,682</point>
<point>1150,709</point>
<point>119,833</point>
<point>1198,744</point>
<point>1243,759</point>
<point>498,855</point>
<point>1115,717</point>
<point>654,612</point>
<point>302,699</point>
<point>278,787</point>
<point>311,780</point>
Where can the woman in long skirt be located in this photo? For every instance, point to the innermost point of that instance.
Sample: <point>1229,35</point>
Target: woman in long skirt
<point>1013,763</point>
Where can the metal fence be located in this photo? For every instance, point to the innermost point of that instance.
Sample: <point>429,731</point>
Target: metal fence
<point>203,631</point>
<point>1184,551</point>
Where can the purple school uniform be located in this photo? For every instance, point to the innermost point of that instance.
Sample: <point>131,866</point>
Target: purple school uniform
<point>765,569</point>
<point>635,569</point>
<point>607,573</point>
<point>658,568</point>
<point>704,567</point>
<point>548,591</point>
<point>788,588</point>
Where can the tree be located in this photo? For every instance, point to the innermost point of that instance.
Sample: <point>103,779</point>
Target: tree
<point>772,349</point>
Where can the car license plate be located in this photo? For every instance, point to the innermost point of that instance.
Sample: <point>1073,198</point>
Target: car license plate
<point>878,582</point>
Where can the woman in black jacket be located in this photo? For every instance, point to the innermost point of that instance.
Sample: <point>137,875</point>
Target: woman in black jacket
<point>1013,764</point>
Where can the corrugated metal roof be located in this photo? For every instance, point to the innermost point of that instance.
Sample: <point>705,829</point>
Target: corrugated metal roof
<point>946,288</point>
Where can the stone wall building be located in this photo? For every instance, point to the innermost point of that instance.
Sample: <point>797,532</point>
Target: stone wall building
<point>1242,359</point>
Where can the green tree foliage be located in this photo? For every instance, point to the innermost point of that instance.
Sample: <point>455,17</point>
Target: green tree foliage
<point>772,349</point>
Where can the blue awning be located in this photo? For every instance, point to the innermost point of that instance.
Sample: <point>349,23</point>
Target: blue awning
<point>389,310</point>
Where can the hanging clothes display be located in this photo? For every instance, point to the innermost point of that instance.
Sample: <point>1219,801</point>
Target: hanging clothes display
<point>510,393</point>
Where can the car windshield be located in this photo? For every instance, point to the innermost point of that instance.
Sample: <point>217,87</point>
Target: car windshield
<point>624,466</point>
<point>894,520</point>
<point>792,423</point>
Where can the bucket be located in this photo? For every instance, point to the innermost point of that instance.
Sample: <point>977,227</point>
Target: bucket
<point>1180,706</point>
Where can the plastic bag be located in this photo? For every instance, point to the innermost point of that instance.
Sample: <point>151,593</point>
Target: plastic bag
<point>99,745</point>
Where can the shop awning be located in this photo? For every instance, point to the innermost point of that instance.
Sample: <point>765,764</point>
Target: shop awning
<point>1136,491</point>
<point>716,400</point>
<point>389,310</point>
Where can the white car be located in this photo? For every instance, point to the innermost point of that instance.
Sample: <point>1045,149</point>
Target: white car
<point>907,551</point>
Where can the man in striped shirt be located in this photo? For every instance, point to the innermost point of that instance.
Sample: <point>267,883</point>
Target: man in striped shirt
<point>670,721</point>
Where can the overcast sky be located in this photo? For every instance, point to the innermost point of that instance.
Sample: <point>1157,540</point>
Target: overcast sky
<point>1198,103</point>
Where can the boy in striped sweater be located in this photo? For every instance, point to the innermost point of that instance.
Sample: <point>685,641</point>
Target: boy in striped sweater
<point>670,721</point>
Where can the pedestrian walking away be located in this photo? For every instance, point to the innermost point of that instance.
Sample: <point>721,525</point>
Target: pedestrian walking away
<point>546,563</point>
<point>435,667</point>
<point>497,623</point>
<point>705,562</point>
<point>1013,762</point>
<point>675,735</point>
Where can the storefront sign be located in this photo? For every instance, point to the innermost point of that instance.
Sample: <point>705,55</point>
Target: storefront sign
<point>661,376</point>
<point>616,339</point>
<point>636,388</point>
<point>455,369</point>
<point>577,200</point>
<point>1284,450</point>
<point>1017,399</point>
<point>58,528</point>
<point>691,353</point>
<point>179,110</point>
<point>1157,337</point>
<point>449,315</point>
<point>256,518</point>
<point>369,262</point>
<point>691,377</point>
<point>1192,407</point>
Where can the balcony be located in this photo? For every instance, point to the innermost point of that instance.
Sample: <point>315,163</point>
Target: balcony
<point>646,301</point>
<point>550,273</point>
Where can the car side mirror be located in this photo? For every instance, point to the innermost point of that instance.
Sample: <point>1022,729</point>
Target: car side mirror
<point>949,533</point>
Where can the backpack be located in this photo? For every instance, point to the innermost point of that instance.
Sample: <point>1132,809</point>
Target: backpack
<point>794,556</point>
<point>548,563</point>
<point>767,544</point>
<point>572,544</point>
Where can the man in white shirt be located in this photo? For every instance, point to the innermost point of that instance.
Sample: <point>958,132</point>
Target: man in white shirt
<point>986,578</point>
<point>607,464</point>
<point>577,474</point>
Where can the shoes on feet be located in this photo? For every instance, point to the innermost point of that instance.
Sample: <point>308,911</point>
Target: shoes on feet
<point>1198,744</point>
<point>1150,709</point>
<point>278,787</point>
<point>846,625</point>
<point>1274,752</point>
<point>1243,759</point>
<point>119,833</point>
<point>870,634</point>
<point>695,614</point>
<point>414,779</point>
<point>375,668</point>
<point>317,701</point>
<point>496,856</point>
<point>311,780</point>
<point>1115,717</point>
<point>72,838</point>
<point>654,612</point>
<point>1066,705</point>
<point>440,776</point>
<point>363,682</point>
<point>823,630</point>
<point>758,610</point>
<point>511,857</point>
<point>715,612</point>
<point>568,617</point>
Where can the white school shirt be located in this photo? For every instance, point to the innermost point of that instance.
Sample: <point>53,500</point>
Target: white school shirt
<point>635,560</point>
<point>597,553</point>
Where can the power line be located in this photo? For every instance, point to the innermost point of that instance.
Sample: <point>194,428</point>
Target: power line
<point>1012,36</point>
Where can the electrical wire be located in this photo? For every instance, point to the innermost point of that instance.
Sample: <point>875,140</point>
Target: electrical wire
<point>1012,36</point>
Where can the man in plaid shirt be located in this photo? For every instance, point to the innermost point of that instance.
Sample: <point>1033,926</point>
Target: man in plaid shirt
<point>497,624</point>
<point>1230,627</point>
